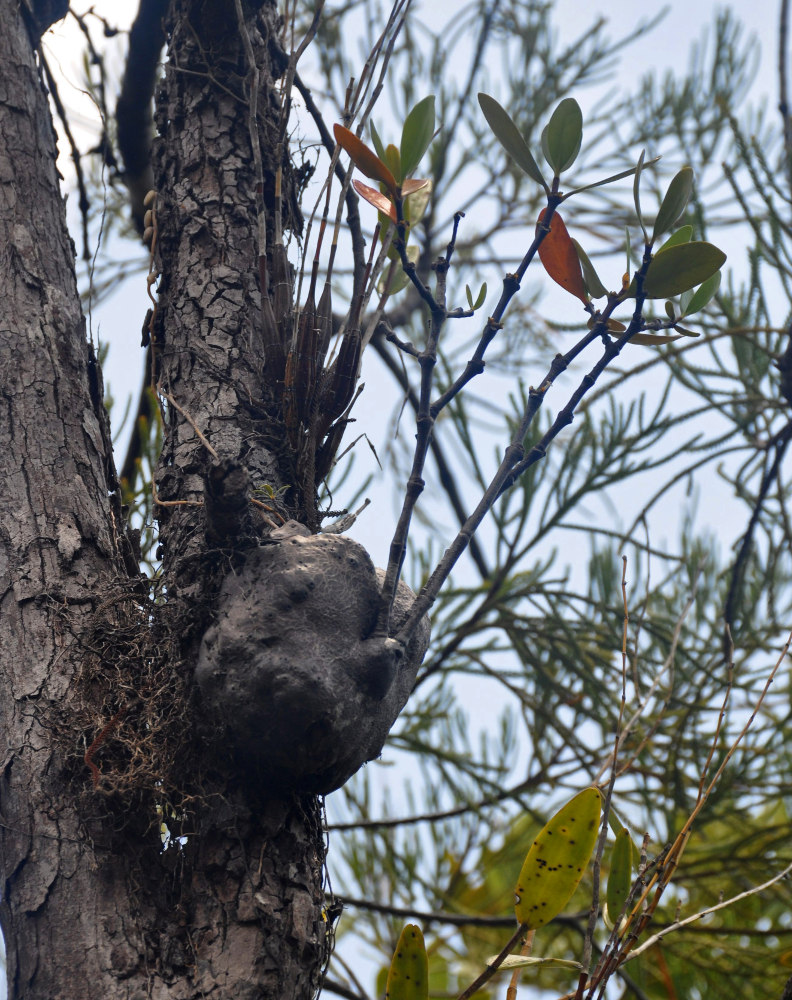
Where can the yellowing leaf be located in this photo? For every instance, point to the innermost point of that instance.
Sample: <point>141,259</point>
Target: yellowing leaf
<point>408,978</point>
<point>365,159</point>
<point>560,259</point>
<point>612,325</point>
<point>557,859</point>
<point>411,186</point>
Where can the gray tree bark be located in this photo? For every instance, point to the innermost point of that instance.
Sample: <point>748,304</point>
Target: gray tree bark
<point>88,910</point>
<point>107,734</point>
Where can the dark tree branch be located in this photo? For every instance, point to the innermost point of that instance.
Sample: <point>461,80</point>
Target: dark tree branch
<point>447,479</point>
<point>514,461</point>
<point>134,120</point>
<point>83,202</point>
<point>738,569</point>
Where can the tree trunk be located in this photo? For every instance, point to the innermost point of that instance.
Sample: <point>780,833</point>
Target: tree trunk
<point>112,746</point>
<point>91,907</point>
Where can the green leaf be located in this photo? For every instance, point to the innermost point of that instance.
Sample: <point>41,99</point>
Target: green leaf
<point>653,339</point>
<point>479,298</point>
<point>678,268</point>
<point>609,180</point>
<point>637,195</point>
<point>508,135</point>
<point>674,203</point>
<point>683,235</point>
<point>703,295</point>
<point>415,201</point>
<point>408,978</point>
<point>620,879</point>
<point>562,137</point>
<point>379,146</point>
<point>669,308</point>
<point>594,286</point>
<point>557,859</point>
<point>393,161</point>
<point>417,134</point>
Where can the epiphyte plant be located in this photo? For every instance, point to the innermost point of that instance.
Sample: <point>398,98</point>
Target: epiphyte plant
<point>675,269</point>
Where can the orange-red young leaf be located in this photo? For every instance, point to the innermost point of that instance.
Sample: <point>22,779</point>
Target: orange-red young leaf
<point>376,198</point>
<point>411,186</point>
<point>559,257</point>
<point>365,159</point>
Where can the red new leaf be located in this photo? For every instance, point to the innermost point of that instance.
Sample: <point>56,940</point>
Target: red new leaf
<point>365,159</point>
<point>559,258</point>
<point>380,201</point>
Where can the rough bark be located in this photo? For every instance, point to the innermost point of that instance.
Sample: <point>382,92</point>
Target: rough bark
<point>90,910</point>
<point>106,731</point>
<point>64,899</point>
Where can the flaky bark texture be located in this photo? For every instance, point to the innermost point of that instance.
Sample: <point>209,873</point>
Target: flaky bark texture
<point>89,911</point>
<point>106,733</point>
<point>64,901</point>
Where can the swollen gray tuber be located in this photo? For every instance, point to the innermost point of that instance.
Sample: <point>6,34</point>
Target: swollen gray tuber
<point>290,667</point>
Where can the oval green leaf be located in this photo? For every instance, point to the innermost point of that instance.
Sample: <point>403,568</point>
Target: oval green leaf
<point>675,202</point>
<point>682,235</point>
<point>557,859</point>
<point>678,268</point>
<point>703,295</point>
<point>416,135</point>
<point>379,146</point>
<point>563,135</point>
<point>509,136</point>
<point>408,978</point>
<point>620,879</point>
<point>393,161</point>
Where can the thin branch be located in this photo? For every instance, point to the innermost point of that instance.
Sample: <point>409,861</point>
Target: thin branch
<point>427,916</point>
<point>515,462</point>
<point>738,570</point>
<point>84,202</point>
<point>447,479</point>
<point>755,890</point>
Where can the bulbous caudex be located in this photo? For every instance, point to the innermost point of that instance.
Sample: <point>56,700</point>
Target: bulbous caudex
<point>290,668</point>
